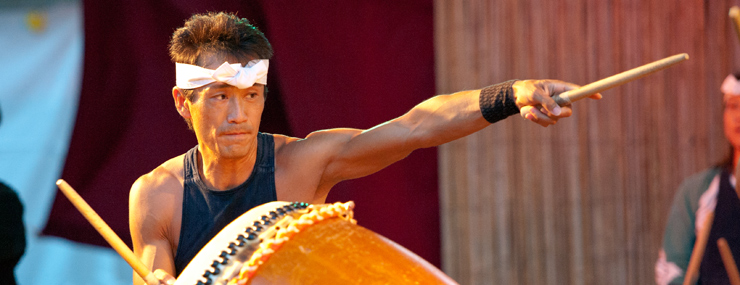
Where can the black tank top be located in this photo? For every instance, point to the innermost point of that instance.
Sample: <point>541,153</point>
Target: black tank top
<point>726,225</point>
<point>205,212</point>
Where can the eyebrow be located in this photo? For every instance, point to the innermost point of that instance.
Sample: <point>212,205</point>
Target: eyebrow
<point>219,85</point>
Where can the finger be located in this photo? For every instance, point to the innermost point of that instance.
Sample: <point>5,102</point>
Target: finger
<point>565,111</point>
<point>552,107</point>
<point>596,96</point>
<point>542,118</point>
<point>526,113</point>
<point>151,279</point>
<point>164,277</point>
<point>534,115</point>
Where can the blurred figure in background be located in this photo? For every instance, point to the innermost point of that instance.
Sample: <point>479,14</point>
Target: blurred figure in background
<point>712,190</point>
<point>12,232</point>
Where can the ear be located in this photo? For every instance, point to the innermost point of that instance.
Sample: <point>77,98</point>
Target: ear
<point>181,103</point>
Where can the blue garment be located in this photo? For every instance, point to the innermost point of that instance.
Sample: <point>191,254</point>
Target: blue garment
<point>725,225</point>
<point>205,212</point>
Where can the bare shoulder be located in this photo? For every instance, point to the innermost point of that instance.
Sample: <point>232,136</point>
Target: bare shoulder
<point>166,178</point>
<point>155,197</point>
<point>282,140</point>
<point>315,141</point>
<point>318,147</point>
<point>300,163</point>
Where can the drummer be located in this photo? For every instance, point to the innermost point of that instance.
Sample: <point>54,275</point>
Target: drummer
<point>713,190</point>
<point>222,65</point>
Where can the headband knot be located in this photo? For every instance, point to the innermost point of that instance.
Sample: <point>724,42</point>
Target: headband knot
<point>191,76</point>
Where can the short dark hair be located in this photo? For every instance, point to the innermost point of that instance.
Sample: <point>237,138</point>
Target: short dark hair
<point>217,33</point>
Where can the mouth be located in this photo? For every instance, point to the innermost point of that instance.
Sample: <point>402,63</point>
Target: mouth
<point>234,134</point>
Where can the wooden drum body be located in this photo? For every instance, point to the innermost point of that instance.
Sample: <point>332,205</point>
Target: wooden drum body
<point>306,244</point>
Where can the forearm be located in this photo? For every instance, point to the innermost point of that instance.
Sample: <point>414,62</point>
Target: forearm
<point>445,118</point>
<point>156,257</point>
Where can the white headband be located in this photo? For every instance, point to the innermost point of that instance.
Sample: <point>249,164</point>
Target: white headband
<point>730,87</point>
<point>192,76</point>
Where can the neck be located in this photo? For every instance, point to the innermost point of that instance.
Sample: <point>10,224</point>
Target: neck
<point>221,173</point>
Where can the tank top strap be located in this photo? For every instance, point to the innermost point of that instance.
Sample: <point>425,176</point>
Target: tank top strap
<point>265,151</point>
<point>190,164</point>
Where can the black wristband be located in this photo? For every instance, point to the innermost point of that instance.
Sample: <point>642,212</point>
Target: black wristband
<point>497,101</point>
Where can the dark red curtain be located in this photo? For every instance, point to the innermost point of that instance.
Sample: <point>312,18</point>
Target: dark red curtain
<point>337,64</point>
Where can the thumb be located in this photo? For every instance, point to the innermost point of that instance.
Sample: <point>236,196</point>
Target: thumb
<point>551,106</point>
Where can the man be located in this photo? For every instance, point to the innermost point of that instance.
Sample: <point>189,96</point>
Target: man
<point>221,74</point>
<point>710,191</point>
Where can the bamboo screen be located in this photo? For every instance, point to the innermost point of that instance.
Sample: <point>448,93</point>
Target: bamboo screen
<point>584,201</point>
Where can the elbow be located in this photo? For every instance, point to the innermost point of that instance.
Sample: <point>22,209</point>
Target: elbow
<point>422,138</point>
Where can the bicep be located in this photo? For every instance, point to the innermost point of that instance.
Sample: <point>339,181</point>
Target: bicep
<point>353,153</point>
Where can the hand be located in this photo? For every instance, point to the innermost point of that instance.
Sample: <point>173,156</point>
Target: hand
<point>534,102</point>
<point>162,278</point>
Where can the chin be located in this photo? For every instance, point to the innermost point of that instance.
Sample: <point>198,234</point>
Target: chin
<point>233,151</point>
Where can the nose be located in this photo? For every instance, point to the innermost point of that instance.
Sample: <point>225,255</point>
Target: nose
<point>237,111</point>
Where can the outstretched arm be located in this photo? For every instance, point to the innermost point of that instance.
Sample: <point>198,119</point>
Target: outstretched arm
<point>352,153</point>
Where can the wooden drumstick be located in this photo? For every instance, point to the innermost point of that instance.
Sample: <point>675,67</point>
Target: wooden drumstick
<point>730,266</point>
<point>692,272</point>
<point>735,16</point>
<point>110,236</point>
<point>571,96</point>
